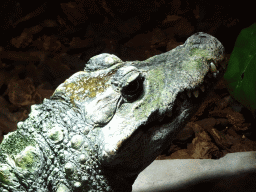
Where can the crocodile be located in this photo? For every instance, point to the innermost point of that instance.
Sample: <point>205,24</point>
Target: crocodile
<point>104,125</point>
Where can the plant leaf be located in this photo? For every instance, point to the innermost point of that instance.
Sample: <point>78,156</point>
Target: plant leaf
<point>240,75</point>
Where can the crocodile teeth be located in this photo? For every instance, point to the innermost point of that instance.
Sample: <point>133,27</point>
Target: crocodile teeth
<point>215,74</point>
<point>189,94</point>
<point>196,93</point>
<point>202,88</point>
<point>213,68</point>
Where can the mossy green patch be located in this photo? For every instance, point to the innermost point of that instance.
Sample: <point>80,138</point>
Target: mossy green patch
<point>197,64</point>
<point>91,86</point>
<point>27,158</point>
<point>88,86</point>
<point>14,143</point>
<point>151,100</point>
<point>199,52</point>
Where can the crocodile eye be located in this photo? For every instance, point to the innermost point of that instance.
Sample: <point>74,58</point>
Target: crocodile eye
<point>132,90</point>
<point>129,82</point>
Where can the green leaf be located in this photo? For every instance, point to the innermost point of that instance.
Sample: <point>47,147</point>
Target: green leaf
<point>240,75</point>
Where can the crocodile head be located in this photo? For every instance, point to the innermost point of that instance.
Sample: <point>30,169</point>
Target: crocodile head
<point>128,112</point>
<point>152,100</point>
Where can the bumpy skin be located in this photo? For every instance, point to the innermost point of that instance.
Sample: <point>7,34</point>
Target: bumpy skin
<point>104,125</point>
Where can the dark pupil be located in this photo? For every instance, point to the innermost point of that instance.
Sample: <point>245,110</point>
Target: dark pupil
<point>132,87</point>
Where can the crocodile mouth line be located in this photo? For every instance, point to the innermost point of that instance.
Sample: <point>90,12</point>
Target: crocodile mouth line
<point>196,95</point>
<point>210,78</point>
